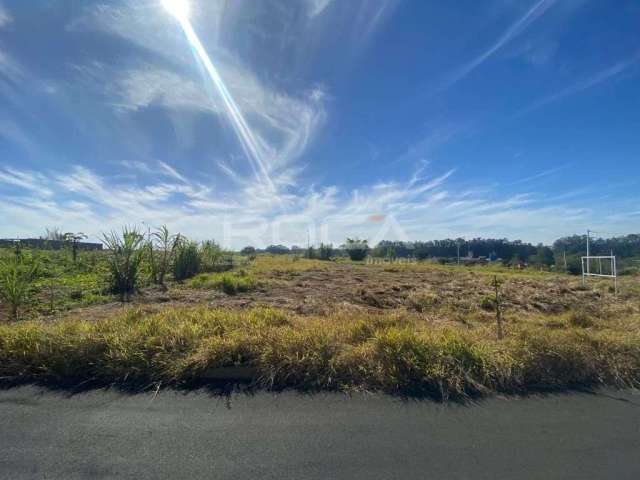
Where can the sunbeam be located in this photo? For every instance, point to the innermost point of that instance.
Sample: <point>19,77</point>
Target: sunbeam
<point>180,10</point>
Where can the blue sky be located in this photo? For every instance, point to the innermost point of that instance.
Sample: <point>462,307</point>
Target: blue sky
<point>383,119</point>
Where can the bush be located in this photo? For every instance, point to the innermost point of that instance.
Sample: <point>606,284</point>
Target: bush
<point>213,258</point>
<point>187,260</point>
<point>125,257</point>
<point>356,249</point>
<point>16,278</point>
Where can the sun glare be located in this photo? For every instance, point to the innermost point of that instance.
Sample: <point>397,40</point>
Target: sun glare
<point>177,8</point>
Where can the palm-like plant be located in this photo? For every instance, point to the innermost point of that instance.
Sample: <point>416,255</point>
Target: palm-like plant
<point>124,260</point>
<point>16,278</point>
<point>166,245</point>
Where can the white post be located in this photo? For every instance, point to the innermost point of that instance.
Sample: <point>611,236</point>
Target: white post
<point>587,252</point>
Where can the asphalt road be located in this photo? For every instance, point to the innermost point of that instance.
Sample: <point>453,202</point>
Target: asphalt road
<point>106,434</point>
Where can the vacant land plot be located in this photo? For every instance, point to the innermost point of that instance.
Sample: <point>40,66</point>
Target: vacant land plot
<point>289,322</point>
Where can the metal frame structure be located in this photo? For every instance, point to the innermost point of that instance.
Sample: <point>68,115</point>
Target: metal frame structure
<point>613,270</point>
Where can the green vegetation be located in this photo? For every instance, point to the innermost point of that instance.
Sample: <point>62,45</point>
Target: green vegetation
<point>393,353</point>
<point>229,283</point>
<point>187,261</point>
<point>16,277</point>
<point>125,257</point>
<point>356,249</point>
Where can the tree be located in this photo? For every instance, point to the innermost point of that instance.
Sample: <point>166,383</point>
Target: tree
<point>277,249</point>
<point>248,251</point>
<point>544,256</point>
<point>325,251</point>
<point>356,249</point>
<point>72,239</point>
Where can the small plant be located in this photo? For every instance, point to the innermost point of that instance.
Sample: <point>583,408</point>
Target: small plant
<point>498,304</point>
<point>488,303</point>
<point>187,260</point>
<point>16,278</point>
<point>356,249</point>
<point>124,260</point>
<point>581,319</point>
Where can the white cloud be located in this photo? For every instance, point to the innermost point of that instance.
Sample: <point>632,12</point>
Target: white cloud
<point>423,207</point>
<point>282,125</point>
<point>585,83</point>
<point>514,30</point>
<point>5,18</point>
<point>316,7</point>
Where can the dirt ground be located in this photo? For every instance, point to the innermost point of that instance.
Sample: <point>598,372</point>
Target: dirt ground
<point>443,293</point>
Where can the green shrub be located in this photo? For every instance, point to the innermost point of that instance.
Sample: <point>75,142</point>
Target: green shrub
<point>16,280</point>
<point>125,257</point>
<point>187,261</point>
<point>488,303</point>
<point>356,249</point>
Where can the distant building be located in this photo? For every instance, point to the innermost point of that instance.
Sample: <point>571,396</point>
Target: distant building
<point>44,244</point>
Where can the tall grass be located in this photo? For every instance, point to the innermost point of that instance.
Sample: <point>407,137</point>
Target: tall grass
<point>16,281</point>
<point>187,260</point>
<point>393,353</point>
<point>125,257</point>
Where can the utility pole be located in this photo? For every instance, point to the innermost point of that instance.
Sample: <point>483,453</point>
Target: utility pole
<point>458,244</point>
<point>564,257</point>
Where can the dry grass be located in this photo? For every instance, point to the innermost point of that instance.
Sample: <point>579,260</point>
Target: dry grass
<point>396,353</point>
<point>266,264</point>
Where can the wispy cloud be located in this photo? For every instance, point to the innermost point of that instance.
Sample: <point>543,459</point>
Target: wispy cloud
<point>279,125</point>
<point>584,84</point>
<point>515,29</point>
<point>5,17</point>
<point>538,176</point>
<point>316,7</point>
<point>426,205</point>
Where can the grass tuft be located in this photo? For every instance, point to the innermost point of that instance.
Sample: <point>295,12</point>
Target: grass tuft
<point>230,283</point>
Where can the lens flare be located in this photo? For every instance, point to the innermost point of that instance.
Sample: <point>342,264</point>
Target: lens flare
<point>177,8</point>
<point>180,10</point>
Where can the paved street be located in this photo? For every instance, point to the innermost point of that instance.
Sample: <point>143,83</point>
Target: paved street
<point>106,434</point>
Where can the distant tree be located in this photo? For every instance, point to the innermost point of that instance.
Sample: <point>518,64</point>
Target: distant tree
<point>356,249</point>
<point>325,251</point>
<point>249,250</point>
<point>543,257</point>
<point>54,233</point>
<point>277,249</point>
<point>73,239</point>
